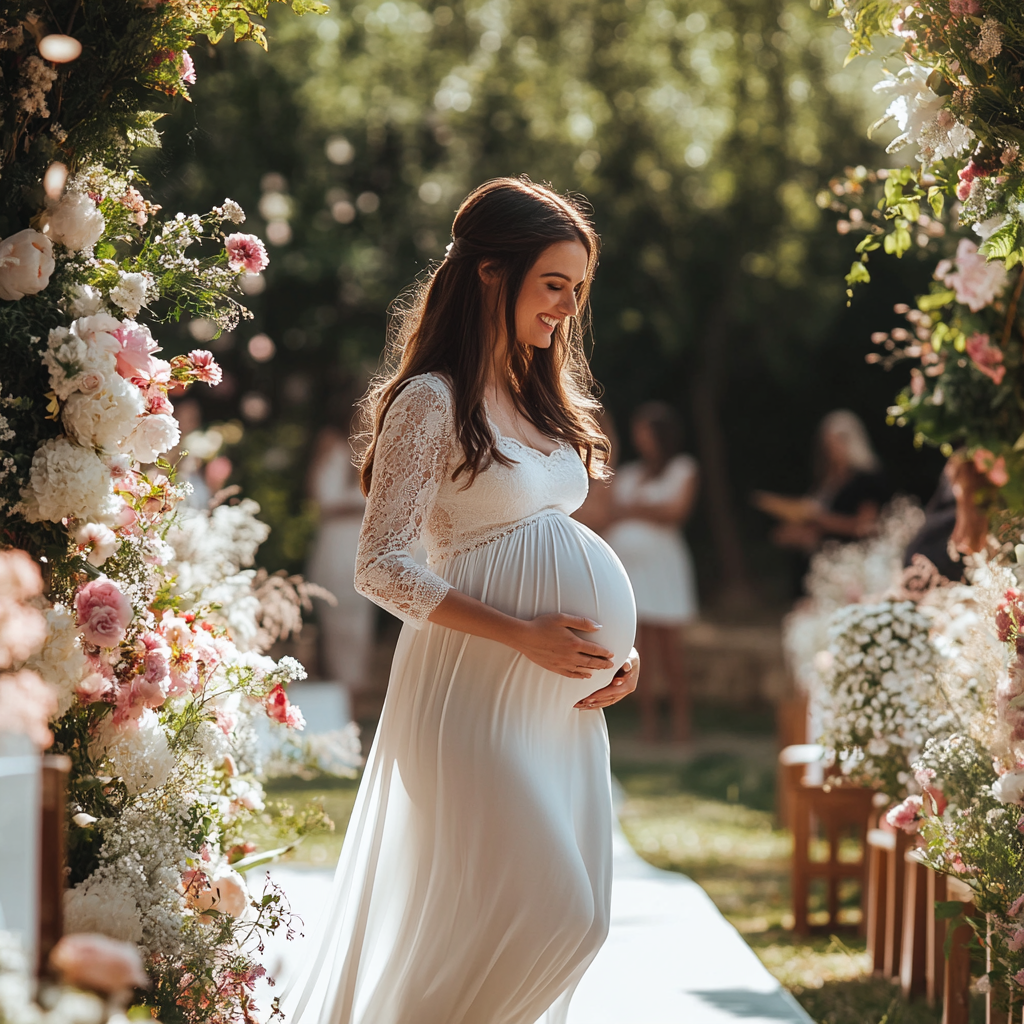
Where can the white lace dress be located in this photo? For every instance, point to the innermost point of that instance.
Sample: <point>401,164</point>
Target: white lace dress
<point>475,878</point>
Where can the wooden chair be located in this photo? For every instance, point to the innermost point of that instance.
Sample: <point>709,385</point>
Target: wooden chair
<point>51,865</point>
<point>837,809</point>
<point>916,911</point>
<point>885,899</point>
<point>791,730</point>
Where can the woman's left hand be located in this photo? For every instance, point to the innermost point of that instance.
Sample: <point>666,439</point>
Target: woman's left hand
<point>621,686</point>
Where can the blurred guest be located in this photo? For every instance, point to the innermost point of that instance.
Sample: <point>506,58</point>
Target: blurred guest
<point>651,501</point>
<point>849,489</point>
<point>346,629</point>
<point>932,540</point>
<point>596,510</point>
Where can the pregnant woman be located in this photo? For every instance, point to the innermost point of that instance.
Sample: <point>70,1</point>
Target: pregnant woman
<point>474,883</point>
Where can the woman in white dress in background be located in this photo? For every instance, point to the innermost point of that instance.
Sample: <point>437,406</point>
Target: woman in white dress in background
<point>651,501</point>
<point>475,879</point>
<point>346,628</point>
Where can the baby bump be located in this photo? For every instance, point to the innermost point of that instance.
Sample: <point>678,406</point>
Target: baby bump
<point>551,563</point>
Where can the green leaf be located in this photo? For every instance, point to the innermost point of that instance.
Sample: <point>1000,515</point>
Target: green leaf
<point>858,274</point>
<point>256,859</point>
<point>897,242</point>
<point>936,300</point>
<point>868,244</point>
<point>936,200</point>
<point>1000,243</point>
<point>1013,259</point>
<point>309,7</point>
<point>945,911</point>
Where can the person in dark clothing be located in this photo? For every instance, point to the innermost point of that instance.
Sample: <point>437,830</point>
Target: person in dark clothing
<point>932,540</point>
<point>848,493</point>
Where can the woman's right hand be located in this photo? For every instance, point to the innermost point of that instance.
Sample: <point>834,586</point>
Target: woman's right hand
<point>549,641</point>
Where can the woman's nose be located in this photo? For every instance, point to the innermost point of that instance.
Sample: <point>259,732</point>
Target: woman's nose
<point>568,305</point>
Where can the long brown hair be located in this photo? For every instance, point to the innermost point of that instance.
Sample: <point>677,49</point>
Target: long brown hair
<point>440,328</point>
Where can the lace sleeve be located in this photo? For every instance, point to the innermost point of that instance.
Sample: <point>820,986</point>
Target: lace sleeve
<point>411,460</point>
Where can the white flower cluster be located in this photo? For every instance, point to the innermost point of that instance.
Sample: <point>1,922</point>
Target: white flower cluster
<point>921,115</point>
<point>210,550</point>
<point>140,755</point>
<point>135,894</point>
<point>843,574</point>
<point>880,706</point>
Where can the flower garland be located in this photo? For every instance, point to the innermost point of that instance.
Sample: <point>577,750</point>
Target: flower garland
<point>154,620</point>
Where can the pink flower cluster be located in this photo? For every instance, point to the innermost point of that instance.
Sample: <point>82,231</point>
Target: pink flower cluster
<point>992,468</point>
<point>968,175</point>
<point>100,964</point>
<point>986,357</point>
<point>198,365</point>
<point>103,612</point>
<point>907,815</point>
<point>964,8</point>
<point>246,253</point>
<point>282,710</point>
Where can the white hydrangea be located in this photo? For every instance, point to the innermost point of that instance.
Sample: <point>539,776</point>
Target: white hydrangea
<point>131,291</point>
<point>105,417</point>
<point>84,300</point>
<point>153,435</point>
<point>137,754</point>
<point>68,480</point>
<point>106,905</point>
<point>74,221</point>
<point>61,661</point>
<point>76,365</point>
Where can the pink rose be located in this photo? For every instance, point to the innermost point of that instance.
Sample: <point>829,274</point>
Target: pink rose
<point>906,815</point>
<point>246,252</point>
<point>205,367</point>
<point>95,686</point>
<point>104,613</point>
<point>282,710</point>
<point>99,963</point>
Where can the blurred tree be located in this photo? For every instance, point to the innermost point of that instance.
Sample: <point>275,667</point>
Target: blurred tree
<point>701,132</point>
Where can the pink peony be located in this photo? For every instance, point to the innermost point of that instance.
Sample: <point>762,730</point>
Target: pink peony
<point>975,282</point>
<point>282,710</point>
<point>135,361</point>
<point>1015,907</point>
<point>188,68</point>
<point>964,8</point>
<point>986,357</point>
<point>95,686</point>
<point>906,815</point>
<point>99,963</point>
<point>104,613</point>
<point>246,252</point>
<point>1016,941</point>
<point>205,367</point>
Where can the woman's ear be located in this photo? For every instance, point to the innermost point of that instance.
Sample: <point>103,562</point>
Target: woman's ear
<point>489,273</point>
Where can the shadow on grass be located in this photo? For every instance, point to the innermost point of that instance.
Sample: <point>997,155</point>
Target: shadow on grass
<point>872,1001</point>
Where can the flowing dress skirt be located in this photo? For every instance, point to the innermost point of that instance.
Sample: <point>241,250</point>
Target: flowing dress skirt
<point>475,878</point>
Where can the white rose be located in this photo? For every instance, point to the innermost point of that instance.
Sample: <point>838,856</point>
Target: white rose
<point>68,480</point>
<point>153,436</point>
<point>104,418</point>
<point>100,539</point>
<point>1009,788</point>
<point>74,222</point>
<point>130,292</point>
<point>98,330</point>
<point>26,263</point>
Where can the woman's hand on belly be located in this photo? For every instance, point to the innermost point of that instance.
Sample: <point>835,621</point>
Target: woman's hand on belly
<point>621,686</point>
<point>549,641</point>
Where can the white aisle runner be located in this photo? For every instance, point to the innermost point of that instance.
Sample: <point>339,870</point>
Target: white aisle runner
<point>670,958</point>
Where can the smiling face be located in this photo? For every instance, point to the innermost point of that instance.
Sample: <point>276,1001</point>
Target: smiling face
<point>549,292</point>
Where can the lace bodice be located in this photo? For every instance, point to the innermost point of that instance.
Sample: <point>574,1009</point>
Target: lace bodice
<point>414,499</point>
